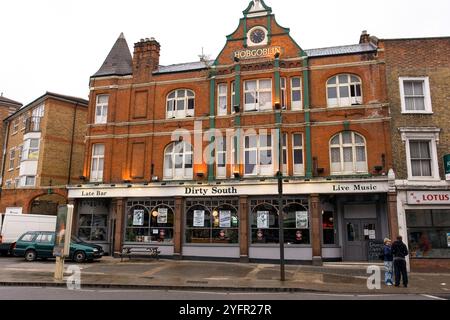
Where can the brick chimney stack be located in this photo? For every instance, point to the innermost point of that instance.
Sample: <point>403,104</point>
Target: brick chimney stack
<point>145,58</point>
<point>365,37</point>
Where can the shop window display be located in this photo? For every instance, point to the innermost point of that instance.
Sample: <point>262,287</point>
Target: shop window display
<point>212,225</point>
<point>93,221</point>
<point>145,225</point>
<point>429,233</point>
<point>265,224</point>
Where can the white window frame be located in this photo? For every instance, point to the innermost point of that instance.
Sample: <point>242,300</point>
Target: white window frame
<point>344,101</point>
<point>19,154</point>
<point>26,184</point>
<point>415,134</point>
<point>233,97</point>
<point>15,126</point>
<point>172,111</point>
<point>17,182</point>
<point>12,158</point>
<point>8,183</point>
<point>298,169</point>
<point>172,172</point>
<point>283,93</point>
<point>352,145</point>
<point>96,159</point>
<point>426,91</point>
<point>296,105</point>
<point>221,172</point>
<point>264,170</point>
<point>285,158</point>
<point>39,111</point>
<point>30,150</point>
<point>248,107</point>
<point>221,96</point>
<point>101,109</point>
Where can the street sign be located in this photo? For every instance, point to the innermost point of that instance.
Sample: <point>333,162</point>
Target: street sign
<point>447,167</point>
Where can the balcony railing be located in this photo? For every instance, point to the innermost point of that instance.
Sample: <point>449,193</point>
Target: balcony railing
<point>33,124</point>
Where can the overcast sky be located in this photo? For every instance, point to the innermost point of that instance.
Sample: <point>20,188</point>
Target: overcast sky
<point>56,45</point>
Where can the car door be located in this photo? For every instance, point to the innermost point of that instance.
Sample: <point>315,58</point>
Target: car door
<point>44,245</point>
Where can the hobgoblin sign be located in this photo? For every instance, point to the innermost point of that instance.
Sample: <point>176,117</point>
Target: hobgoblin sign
<point>257,53</point>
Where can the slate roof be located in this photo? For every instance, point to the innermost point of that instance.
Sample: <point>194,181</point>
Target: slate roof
<point>333,51</point>
<point>181,67</point>
<point>9,101</point>
<point>119,61</point>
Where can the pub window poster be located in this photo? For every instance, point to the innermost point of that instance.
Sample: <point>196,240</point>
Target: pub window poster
<point>225,219</point>
<point>138,217</point>
<point>301,219</point>
<point>162,215</point>
<point>263,219</point>
<point>199,218</point>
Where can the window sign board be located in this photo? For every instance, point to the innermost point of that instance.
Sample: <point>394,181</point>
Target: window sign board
<point>199,218</point>
<point>225,219</point>
<point>301,219</point>
<point>162,215</point>
<point>138,217</point>
<point>448,239</point>
<point>263,219</point>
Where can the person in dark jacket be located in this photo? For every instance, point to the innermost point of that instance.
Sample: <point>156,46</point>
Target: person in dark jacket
<point>388,262</point>
<point>400,252</point>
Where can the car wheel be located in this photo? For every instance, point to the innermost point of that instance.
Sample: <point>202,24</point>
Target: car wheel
<point>30,255</point>
<point>79,257</point>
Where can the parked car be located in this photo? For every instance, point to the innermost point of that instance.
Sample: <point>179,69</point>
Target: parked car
<point>15,225</point>
<point>40,244</point>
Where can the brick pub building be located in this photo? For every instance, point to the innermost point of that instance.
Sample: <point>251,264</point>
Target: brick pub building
<point>147,182</point>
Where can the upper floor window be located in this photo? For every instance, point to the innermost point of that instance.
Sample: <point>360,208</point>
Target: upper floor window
<point>348,153</point>
<point>19,154</point>
<point>178,161</point>
<point>97,162</point>
<point>258,95</point>
<point>38,111</point>
<point>221,157</point>
<point>421,153</point>
<point>32,152</point>
<point>283,98</point>
<point>297,149</point>
<point>222,99</point>
<point>15,126</point>
<point>258,155</point>
<point>180,104</point>
<point>233,98</point>
<point>12,156</point>
<point>296,94</point>
<point>344,90</point>
<point>415,95</point>
<point>101,109</point>
<point>285,154</point>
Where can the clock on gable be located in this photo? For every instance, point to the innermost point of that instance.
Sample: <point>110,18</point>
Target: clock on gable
<point>257,36</point>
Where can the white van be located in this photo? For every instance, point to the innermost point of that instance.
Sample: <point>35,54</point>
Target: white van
<point>15,225</point>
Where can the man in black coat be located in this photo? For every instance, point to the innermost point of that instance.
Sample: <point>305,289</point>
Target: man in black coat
<point>400,252</point>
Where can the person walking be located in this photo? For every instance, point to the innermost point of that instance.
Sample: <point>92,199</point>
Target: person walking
<point>400,252</point>
<point>388,262</point>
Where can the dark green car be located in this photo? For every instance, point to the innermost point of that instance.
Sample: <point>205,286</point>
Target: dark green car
<point>34,245</point>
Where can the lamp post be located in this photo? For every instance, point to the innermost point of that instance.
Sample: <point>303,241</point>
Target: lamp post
<point>280,194</point>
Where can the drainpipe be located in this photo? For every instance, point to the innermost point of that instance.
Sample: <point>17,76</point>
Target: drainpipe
<point>5,144</point>
<point>69,179</point>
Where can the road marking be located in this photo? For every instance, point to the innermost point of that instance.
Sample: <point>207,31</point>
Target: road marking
<point>433,297</point>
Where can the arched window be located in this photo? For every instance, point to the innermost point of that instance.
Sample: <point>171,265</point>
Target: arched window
<point>178,162</point>
<point>218,225</point>
<point>147,225</point>
<point>348,153</point>
<point>344,90</point>
<point>180,104</point>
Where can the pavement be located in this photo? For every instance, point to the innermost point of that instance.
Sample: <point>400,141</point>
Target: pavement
<point>216,276</point>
